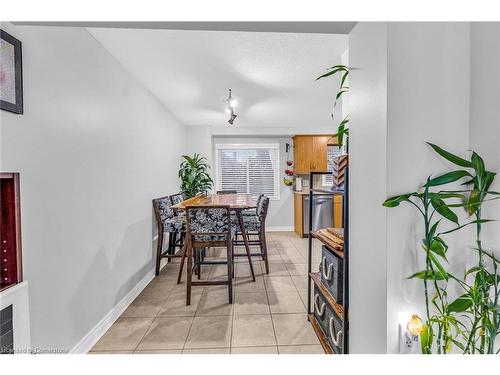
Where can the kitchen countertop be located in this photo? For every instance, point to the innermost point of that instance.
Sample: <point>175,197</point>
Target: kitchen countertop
<point>305,191</point>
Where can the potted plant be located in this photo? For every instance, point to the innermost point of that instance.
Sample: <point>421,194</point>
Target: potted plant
<point>194,176</point>
<point>471,322</point>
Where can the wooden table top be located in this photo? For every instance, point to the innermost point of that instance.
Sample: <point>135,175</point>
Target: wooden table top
<point>238,201</point>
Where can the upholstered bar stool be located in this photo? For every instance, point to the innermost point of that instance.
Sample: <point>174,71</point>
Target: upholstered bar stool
<point>171,224</point>
<point>253,211</point>
<point>176,199</point>
<point>255,225</point>
<point>208,227</point>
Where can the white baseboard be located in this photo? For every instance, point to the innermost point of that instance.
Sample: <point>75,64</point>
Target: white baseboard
<point>91,338</point>
<point>280,229</point>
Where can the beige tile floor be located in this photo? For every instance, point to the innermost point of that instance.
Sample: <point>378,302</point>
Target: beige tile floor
<point>268,316</point>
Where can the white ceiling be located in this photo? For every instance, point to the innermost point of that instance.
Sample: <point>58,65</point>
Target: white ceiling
<point>271,74</point>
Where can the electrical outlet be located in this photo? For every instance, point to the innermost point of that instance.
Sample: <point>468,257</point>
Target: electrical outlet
<point>408,344</point>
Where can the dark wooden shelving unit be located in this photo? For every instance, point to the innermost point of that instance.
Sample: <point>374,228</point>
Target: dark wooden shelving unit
<point>11,271</point>
<point>314,278</point>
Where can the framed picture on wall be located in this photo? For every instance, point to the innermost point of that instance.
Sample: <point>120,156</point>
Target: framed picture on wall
<point>11,74</point>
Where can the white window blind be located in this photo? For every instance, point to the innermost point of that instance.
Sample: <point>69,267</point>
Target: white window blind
<point>248,168</point>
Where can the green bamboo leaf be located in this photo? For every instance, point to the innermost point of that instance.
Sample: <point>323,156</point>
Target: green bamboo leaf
<point>472,270</point>
<point>342,130</point>
<point>493,279</point>
<point>481,221</point>
<point>430,276</point>
<point>340,134</point>
<point>489,177</point>
<point>473,204</point>
<point>478,163</point>
<point>447,195</point>
<point>443,210</point>
<point>461,304</point>
<point>426,338</point>
<point>339,94</point>
<point>451,157</point>
<point>344,77</point>
<point>458,343</point>
<point>468,182</point>
<point>439,247</point>
<point>330,73</point>
<point>448,178</point>
<point>396,200</point>
<point>441,271</point>
<point>432,231</point>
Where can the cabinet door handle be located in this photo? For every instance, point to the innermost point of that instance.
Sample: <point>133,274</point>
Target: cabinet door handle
<point>319,310</point>
<point>327,273</point>
<point>335,338</point>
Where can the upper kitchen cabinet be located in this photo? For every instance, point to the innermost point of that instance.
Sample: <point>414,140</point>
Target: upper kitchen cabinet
<point>310,152</point>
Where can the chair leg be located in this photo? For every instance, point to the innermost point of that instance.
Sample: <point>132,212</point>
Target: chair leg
<point>198,262</point>
<point>232,259</point>
<point>183,259</point>
<point>172,244</point>
<point>245,240</point>
<point>158,252</point>
<point>263,246</point>
<point>230,271</point>
<point>189,256</point>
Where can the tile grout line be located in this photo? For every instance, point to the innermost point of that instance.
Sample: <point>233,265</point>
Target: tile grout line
<point>195,311</point>
<point>272,321</point>
<point>142,338</point>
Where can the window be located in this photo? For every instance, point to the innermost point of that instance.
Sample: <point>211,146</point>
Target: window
<point>248,168</point>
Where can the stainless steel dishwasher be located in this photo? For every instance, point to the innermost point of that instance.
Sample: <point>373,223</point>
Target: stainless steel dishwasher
<point>322,212</point>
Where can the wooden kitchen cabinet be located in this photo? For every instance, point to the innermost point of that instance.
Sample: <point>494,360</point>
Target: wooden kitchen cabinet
<point>297,214</point>
<point>310,152</point>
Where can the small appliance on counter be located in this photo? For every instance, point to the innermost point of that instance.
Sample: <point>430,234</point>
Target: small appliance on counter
<point>298,184</point>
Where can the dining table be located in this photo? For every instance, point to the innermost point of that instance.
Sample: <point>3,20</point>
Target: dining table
<point>236,202</point>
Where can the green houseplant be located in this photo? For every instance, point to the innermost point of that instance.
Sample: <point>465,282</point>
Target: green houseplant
<point>471,322</point>
<point>343,72</point>
<point>194,176</point>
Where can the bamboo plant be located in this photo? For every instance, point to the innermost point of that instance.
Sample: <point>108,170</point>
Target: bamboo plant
<point>194,176</point>
<point>343,71</point>
<point>471,322</point>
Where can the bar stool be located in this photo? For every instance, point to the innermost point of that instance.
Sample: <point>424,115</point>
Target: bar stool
<point>253,211</point>
<point>208,227</point>
<point>256,225</point>
<point>169,223</point>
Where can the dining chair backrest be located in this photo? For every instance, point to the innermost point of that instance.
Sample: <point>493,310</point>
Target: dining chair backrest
<point>222,192</point>
<point>208,221</point>
<point>163,208</point>
<point>259,201</point>
<point>262,207</point>
<point>177,198</point>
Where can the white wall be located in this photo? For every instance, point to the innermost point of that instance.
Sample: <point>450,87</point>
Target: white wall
<point>93,148</point>
<point>428,100</point>
<point>367,184</point>
<point>427,72</point>
<point>485,112</point>
<point>199,140</point>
